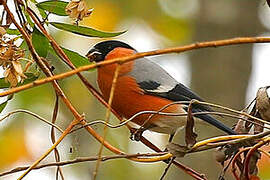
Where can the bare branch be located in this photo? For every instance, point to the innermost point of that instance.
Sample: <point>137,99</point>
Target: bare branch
<point>108,114</point>
<point>226,42</point>
<point>84,159</point>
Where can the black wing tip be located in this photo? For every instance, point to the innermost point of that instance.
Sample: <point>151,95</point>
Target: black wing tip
<point>216,123</point>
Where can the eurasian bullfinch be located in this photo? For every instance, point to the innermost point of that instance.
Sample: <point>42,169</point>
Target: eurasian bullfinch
<point>143,85</point>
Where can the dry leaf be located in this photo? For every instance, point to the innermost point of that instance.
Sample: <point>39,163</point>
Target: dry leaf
<point>263,103</point>
<point>2,31</point>
<point>190,135</point>
<point>77,9</point>
<point>10,56</point>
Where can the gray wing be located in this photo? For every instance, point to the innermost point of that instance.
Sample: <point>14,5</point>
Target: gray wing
<point>154,80</point>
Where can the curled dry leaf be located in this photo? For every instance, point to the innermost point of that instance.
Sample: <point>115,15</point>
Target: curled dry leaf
<point>190,135</point>
<point>10,56</point>
<point>263,102</point>
<point>253,169</point>
<point>12,77</point>
<point>77,9</point>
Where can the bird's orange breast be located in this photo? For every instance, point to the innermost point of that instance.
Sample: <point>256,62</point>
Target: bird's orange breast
<point>129,98</point>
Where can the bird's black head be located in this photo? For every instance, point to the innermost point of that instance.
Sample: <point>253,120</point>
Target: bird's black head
<point>100,50</point>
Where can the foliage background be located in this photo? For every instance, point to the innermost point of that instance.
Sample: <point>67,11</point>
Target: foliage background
<point>219,75</point>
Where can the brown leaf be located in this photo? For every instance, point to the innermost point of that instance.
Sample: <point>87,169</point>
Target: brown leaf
<point>11,77</point>
<point>2,31</point>
<point>17,67</point>
<point>240,127</point>
<point>263,103</point>
<point>77,9</point>
<point>190,135</point>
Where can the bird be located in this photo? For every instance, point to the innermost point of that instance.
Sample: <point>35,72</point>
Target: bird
<point>143,85</point>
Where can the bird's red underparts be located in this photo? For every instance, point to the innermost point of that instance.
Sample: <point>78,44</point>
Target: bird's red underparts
<point>129,98</point>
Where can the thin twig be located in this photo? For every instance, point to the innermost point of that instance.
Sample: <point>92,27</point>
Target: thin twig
<point>43,67</point>
<point>164,114</point>
<point>56,152</point>
<point>167,168</point>
<point>223,140</point>
<point>84,159</point>
<point>59,51</point>
<point>226,42</point>
<point>265,153</point>
<point>231,110</point>
<point>32,114</point>
<point>78,117</point>
<point>197,45</point>
<point>108,114</point>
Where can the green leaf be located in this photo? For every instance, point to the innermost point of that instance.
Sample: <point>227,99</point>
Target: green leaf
<point>13,31</point>
<point>3,83</point>
<point>30,78</point>
<point>40,43</point>
<point>85,31</point>
<point>43,14</point>
<point>55,7</point>
<point>3,105</point>
<point>76,58</point>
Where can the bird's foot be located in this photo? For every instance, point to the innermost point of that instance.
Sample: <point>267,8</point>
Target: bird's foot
<point>136,136</point>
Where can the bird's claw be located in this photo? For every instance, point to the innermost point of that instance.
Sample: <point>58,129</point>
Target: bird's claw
<point>136,136</point>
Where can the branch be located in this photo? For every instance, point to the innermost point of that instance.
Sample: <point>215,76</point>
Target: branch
<point>226,42</point>
<point>84,159</point>
<point>108,114</point>
<point>196,46</point>
<point>56,152</point>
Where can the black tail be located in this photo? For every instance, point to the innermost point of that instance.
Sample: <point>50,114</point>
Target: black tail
<point>209,119</point>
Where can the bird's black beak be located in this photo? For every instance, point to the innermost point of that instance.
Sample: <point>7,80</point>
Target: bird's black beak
<point>94,55</point>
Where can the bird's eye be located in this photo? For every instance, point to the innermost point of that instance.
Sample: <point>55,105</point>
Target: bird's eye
<point>94,56</point>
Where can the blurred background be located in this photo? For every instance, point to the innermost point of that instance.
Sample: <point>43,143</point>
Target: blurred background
<point>229,76</point>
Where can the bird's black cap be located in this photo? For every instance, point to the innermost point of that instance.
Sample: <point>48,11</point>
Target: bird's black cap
<point>100,50</point>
